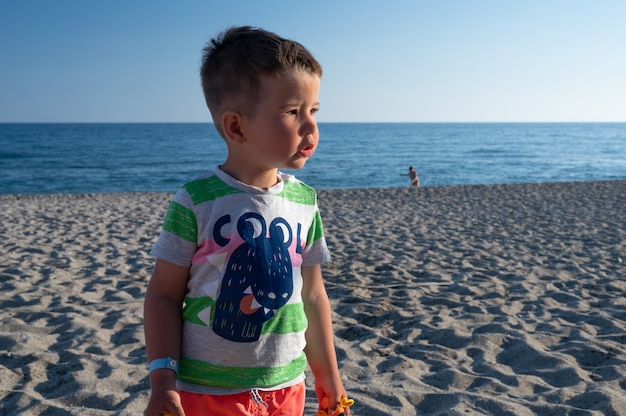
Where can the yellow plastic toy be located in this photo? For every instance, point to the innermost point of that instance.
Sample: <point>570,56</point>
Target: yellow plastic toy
<point>344,403</point>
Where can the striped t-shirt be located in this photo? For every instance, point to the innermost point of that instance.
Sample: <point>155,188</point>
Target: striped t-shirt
<point>243,316</point>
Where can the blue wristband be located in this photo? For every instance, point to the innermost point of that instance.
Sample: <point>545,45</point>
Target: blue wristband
<point>167,362</point>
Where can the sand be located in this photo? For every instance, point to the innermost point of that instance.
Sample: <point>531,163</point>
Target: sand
<point>462,300</point>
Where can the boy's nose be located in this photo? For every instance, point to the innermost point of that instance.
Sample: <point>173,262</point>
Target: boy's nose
<point>309,128</point>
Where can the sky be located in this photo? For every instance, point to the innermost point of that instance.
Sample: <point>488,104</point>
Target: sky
<point>384,61</point>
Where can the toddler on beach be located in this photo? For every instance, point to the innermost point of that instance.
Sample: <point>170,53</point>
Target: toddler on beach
<point>236,305</point>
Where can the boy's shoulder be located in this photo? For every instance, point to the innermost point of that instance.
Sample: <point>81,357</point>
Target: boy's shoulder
<point>214,184</point>
<point>208,187</point>
<point>297,191</point>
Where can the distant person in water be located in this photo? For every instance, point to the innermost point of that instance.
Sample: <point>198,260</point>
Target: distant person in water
<point>415,180</point>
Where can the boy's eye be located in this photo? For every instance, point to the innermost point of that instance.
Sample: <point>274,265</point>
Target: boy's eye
<point>295,111</point>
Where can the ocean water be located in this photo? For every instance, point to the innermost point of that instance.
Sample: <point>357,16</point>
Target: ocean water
<point>87,158</point>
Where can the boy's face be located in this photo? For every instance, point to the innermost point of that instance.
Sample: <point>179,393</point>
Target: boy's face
<point>282,131</point>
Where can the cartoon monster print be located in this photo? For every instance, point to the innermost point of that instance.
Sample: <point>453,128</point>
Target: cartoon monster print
<point>257,280</point>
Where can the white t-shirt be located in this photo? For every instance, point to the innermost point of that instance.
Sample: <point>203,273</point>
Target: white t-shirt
<point>243,316</point>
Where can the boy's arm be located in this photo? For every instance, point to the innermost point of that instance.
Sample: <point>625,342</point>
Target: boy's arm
<point>163,331</point>
<point>320,346</point>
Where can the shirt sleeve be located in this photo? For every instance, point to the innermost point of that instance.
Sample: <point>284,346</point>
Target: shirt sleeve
<point>316,251</point>
<point>178,240</point>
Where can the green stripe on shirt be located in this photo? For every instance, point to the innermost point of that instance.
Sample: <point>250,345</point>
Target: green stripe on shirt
<point>287,320</point>
<point>208,189</point>
<point>193,306</point>
<point>317,229</point>
<point>198,372</point>
<point>181,221</point>
<point>298,192</point>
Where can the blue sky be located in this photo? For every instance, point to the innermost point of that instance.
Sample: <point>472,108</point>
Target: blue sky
<point>392,61</point>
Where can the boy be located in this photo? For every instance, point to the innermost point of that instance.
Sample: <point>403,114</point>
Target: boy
<point>236,304</point>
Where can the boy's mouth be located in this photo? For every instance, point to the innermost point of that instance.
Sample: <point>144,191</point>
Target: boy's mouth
<point>307,151</point>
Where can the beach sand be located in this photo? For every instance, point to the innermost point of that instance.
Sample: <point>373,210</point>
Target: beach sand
<point>461,300</point>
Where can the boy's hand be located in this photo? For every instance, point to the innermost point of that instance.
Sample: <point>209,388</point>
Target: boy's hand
<point>341,408</point>
<point>165,404</point>
<point>331,395</point>
<point>164,399</point>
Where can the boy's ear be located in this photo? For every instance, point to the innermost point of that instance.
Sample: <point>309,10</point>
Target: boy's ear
<point>231,126</point>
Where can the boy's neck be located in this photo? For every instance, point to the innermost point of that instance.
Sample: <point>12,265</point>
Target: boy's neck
<point>259,179</point>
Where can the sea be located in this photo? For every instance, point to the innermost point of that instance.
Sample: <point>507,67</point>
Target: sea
<point>144,157</point>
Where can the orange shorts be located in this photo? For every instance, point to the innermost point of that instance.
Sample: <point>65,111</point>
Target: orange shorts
<point>285,402</point>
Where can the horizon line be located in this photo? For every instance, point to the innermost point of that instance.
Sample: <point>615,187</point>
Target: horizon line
<point>324,122</point>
